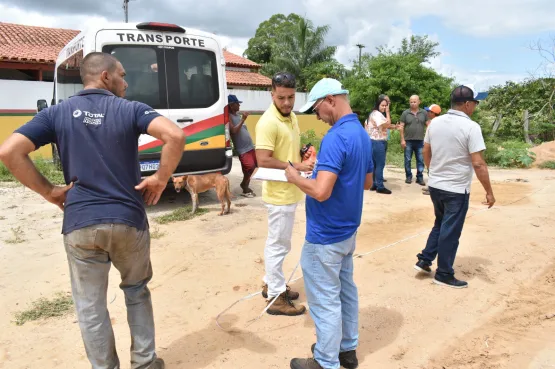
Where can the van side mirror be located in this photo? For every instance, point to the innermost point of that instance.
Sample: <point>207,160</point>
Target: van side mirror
<point>41,105</point>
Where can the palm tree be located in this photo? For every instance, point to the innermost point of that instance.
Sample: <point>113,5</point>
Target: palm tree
<point>301,49</point>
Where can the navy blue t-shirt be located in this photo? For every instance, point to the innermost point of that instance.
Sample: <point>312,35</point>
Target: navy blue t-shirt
<point>346,150</point>
<point>97,136</point>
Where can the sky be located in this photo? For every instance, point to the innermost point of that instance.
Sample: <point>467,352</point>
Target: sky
<point>483,42</point>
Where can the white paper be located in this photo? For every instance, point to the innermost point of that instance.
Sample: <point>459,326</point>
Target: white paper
<point>270,174</point>
<point>277,175</point>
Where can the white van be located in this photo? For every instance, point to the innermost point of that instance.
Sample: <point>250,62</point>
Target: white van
<point>179,72</point>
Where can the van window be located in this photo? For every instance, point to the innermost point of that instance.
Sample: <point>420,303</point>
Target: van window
<point>143,74</point>
<point>197,73</point>
<point>68,79</point>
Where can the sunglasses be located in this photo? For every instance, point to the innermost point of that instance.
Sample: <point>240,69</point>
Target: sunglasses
<point>315,108</point>
<point>282,77</point>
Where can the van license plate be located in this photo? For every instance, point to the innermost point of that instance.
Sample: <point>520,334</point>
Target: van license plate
<point>149,166</point>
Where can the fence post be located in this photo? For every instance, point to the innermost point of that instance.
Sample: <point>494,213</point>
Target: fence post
<point>526,127</point>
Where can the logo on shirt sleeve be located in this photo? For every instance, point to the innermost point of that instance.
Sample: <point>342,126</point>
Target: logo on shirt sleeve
<point>150,112</point>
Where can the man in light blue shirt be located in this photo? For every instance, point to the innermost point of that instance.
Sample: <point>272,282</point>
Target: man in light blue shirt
<point>342,172</point>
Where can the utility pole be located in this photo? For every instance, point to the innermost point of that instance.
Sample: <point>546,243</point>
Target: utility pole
<point>360,47</point>
<point>126,9</point>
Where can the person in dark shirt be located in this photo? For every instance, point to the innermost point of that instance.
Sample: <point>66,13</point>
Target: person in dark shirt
<point>105,222</point>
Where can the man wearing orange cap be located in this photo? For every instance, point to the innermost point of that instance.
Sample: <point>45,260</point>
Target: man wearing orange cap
<point>434,111</point>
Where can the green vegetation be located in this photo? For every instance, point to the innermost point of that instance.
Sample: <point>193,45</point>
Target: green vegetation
<point>17,236</point>
<point>548,165</point>
<point>46,167</point>
<point>310,136</point>
<point>179,215</point>
<point>60,305</point>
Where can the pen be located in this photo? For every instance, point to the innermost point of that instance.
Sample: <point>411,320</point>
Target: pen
<point>290,163</point>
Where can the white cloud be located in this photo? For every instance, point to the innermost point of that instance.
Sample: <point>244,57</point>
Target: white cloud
<point>370,22</point>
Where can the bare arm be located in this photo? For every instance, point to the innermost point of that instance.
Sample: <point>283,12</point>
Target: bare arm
<point>235,129</point>
<point>481,170</point>
<point>265,159</point>
<point>14,153</point>
<point>369,181</point>
<point>172,150</point>
<point>427,152</point>
<point>319,188</point>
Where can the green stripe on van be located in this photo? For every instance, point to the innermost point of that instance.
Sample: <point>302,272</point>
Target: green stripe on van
<point>202,135</point>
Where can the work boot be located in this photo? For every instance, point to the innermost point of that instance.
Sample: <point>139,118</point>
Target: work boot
<point>347,359</point>
<point>292,294</point>
<point>305,364</point>
<point>284,306</point>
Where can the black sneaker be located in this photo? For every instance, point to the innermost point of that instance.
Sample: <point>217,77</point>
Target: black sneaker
<point>373,188</point>
<point>421,182</point>
<point>347,359</point>
<point>384,191</point>
<point>408,180</point>
<point>385,180</point>
<point>422,266</point>
<point>450,281</point>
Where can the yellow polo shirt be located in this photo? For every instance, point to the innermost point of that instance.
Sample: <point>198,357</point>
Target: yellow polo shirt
<point>282,136</point>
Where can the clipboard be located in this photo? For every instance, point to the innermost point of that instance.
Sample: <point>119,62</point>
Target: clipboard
<point>274,175</point>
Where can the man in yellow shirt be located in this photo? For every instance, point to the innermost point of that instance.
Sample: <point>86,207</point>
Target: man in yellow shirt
<point>278,143</point>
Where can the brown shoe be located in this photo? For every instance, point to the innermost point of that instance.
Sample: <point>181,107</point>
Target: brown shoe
<point>305,364</point>
<point>284,306</point>
<point>292,294</point>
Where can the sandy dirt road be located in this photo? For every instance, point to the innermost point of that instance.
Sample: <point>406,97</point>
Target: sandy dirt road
<point>201,266</point>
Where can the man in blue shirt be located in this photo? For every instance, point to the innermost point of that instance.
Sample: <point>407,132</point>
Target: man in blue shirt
<point>342,172</point>
<point>105,221</point>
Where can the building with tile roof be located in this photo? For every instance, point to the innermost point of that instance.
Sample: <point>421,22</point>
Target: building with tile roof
<point>29,53</point>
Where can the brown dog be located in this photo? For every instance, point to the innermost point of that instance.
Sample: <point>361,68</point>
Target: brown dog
<point>196,184</point>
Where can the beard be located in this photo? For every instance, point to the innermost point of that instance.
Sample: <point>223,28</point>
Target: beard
<point>282,113</point>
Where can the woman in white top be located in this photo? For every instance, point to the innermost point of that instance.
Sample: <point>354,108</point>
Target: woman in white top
<point>376,126</point>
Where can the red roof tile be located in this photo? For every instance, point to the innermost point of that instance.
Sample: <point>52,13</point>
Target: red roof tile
<point>233,60</point>
<point>247,79</point>
<point>21,43</point>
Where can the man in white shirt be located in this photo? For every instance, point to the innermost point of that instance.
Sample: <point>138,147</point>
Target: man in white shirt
<point>453,148</point>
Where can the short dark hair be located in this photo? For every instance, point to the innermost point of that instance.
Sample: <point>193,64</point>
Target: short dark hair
<point>95,63</point>
<point>283,79</point>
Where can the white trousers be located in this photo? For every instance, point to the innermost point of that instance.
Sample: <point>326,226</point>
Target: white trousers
<point>280,229</point>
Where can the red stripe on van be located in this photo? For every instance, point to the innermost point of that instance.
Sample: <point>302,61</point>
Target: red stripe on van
<point>190,130</point>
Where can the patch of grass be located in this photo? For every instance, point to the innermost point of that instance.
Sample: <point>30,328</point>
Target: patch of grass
<point>395,158</point>
<point>17,236</point>
<point>60,305</point>
<point>46,167</point>
<point>180,215</point>
<point>156,234</point>
<point>548,165</point>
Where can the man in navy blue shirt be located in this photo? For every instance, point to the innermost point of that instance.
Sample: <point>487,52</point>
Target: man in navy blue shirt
<point>342,172</point>
<point>105,221</point>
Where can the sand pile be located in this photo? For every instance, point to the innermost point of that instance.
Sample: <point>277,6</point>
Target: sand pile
<point>544,152</point>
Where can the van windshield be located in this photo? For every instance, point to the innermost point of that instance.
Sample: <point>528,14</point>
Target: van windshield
<point>170,77</point>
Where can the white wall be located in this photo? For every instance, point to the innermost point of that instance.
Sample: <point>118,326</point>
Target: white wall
<point>23,95</point>
<point>261,100</point>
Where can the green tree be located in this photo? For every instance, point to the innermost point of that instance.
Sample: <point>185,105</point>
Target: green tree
<point>399,75</point>
<point>328,69</point>
<point>261,46</point>
<point>419,46</point>
<point>301,49</point>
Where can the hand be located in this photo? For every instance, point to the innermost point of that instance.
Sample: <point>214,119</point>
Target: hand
<point>387,108</point>
<point>490,200</point>
<point>303,167</point>
<point>404,144</point>
<point>57,195</point>
<point>291,174</point>
<point>151,188</point>
<point>245,115</point>
<point>308,153</point>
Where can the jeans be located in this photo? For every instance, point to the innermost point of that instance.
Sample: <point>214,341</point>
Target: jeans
<point>90,253</point>
<point>281,219</point>
<point>379,148</point>
<point>450,209</point>
<point>415,146</point>
<point>333,298</point>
